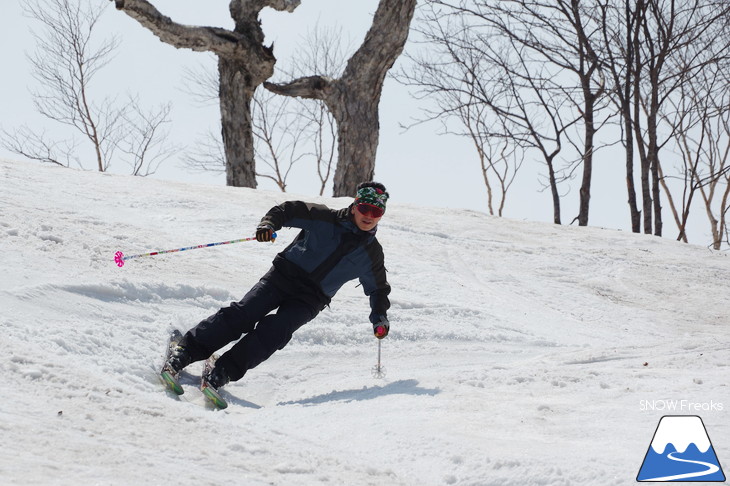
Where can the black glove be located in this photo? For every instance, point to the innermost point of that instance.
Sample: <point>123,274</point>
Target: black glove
<point>381,328</point>
<point>264,233</point>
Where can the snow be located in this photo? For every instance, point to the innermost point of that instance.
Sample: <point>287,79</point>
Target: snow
<point>520,353</point>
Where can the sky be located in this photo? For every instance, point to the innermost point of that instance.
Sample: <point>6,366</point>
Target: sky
<point>418,166</point>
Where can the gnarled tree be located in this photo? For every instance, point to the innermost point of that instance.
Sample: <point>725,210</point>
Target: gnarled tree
<point>353,98</point>
<point>244,62</point>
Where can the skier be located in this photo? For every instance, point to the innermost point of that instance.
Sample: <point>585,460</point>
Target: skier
<point>334,247</point>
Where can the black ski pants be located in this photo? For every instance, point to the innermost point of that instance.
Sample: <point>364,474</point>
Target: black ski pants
<point>265,332</point>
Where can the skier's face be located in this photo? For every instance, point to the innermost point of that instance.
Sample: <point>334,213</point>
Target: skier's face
<point>365,222</point>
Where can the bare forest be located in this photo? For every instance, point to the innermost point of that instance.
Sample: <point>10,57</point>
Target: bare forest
<point>539,89</point>
<point>561,81</point>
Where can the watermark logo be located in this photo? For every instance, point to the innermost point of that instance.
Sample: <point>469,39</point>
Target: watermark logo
<point>680,406</point>
<point>680,451</point>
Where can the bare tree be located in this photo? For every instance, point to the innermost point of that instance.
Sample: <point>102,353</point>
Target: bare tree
<point>323,128</point>
<point>322,53</point>
<point>719,166</point>
<point>144,142</point>
<point>678,39</point>
<point>620,29</point>
<point>278,133</point>
<point>289,130</point>
<point>500,55</point>
<point>582,31</point>
<point>65,62</point>
<point>34,145</point>
<point>286,130</point>
<point>244,62</point>
<point>499,159</point>
<point>700,114</point>
<point>466,94</point>
<point>208,153</point>
<point>353,98</point>
<point>656,53</point>
<point>562,34</point>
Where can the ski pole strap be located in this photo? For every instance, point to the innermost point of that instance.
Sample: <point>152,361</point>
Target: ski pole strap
<point>120,258</point>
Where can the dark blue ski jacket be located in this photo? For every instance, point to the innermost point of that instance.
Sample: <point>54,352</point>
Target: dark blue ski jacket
<point>329,251</point>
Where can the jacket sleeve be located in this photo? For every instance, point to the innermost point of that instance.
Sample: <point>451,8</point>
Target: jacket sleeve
<point>297,214</point>
<point>375,284</point>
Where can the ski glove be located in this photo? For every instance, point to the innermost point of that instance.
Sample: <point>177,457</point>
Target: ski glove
<point>381,328</point>
<point>264,233</point>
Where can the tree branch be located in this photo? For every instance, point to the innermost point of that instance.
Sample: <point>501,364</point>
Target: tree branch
<point>370,63</point>
<point>383,43</point>
<point>311,87</point>
<point>239,43</point>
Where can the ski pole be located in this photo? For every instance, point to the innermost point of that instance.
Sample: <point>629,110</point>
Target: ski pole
<point>378,370</point>
<point>120,258</point>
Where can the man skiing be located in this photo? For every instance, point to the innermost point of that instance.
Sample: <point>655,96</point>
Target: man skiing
<point>334,247</point>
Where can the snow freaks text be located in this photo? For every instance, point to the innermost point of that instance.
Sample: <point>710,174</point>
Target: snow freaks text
<point>680,406</point>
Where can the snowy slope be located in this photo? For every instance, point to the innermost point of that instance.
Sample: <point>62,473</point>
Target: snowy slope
<point>520,353</point>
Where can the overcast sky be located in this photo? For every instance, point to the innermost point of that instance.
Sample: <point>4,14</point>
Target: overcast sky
<point>418,166</point>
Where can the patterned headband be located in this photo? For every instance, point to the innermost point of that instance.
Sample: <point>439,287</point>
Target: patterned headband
<point>373,196</point>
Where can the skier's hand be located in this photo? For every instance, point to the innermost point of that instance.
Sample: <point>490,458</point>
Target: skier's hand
<point>264,233</point>
<point>381,328</point>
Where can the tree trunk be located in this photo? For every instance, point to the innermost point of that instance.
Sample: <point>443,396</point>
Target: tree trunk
<point>358,132</point>
<point>643,156</point>
<point>646,211</point>
<point>630,187</point>
<point>653,153</point>
<point>627,119</point>
<point>656,194</point>
<point>354,98</point>
<point>723,224</point>
<point>236,93</point>
<point>645,180</point>
<point>590,131</point>
<point>244,62</point>
<point>554,192</point>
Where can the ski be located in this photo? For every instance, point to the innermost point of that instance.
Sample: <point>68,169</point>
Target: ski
<point>167,375</point>
<point>208,391</point>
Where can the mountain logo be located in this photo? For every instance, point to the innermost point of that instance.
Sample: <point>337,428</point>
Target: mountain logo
<point>680,451</point>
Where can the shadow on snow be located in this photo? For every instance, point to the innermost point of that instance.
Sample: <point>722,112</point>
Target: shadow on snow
<point>402,387</point>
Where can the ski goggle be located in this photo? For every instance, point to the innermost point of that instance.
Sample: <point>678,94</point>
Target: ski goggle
<point>368,209</point>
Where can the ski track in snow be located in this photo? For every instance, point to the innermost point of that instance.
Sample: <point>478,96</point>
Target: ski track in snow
<point>516,357</point>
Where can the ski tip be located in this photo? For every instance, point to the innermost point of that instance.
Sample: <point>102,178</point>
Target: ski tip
<point>172,383</point>
<point>214,398</point>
